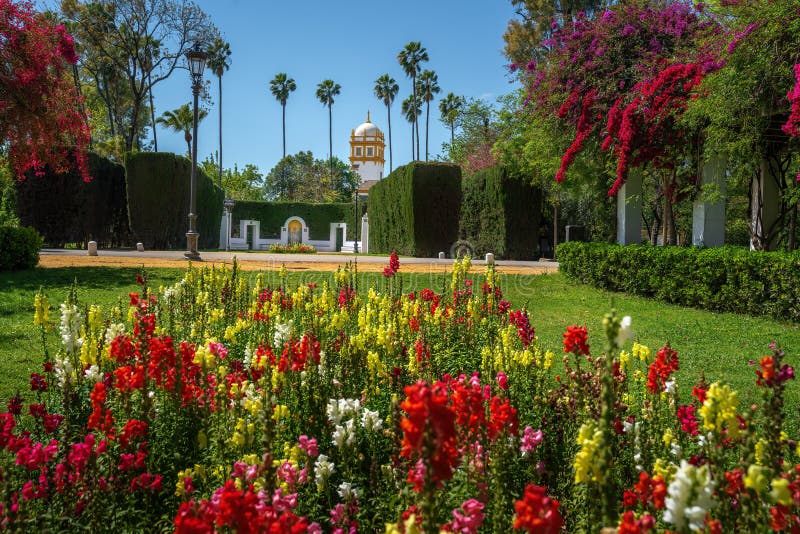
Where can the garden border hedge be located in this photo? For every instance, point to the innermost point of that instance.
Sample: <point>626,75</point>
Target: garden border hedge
<point>318,216</point>
<point>725,279</point>
<point>19,248</point>
<point>415,211</point>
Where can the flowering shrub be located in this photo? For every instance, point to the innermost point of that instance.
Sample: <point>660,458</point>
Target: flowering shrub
<point>225,404</point>
<point>292,248</point>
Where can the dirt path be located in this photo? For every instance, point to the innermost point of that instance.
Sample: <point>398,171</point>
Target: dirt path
<point>47,261</point>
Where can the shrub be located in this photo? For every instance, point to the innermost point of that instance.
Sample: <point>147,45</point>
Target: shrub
<point>65,209</point>
<point>728,279</point>
<point>158,200</point>
<point>318,217</point>
<point>500,214</point>
<point>415,210</point>
<point>19,248</point>
<point>294,248</point>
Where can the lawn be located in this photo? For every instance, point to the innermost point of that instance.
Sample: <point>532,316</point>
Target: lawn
<point>719,345</point>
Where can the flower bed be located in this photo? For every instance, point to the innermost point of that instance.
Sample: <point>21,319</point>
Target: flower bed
<point>293,248</point>
<point>221,403</point>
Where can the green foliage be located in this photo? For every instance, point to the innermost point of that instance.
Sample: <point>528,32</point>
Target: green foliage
<point>500,214</point>
<point>239,184</point>
<point>301,178</point>
<point>318,217</point>
<point>8,196</point>
<point>720,279</point>
<point>65,209</point>
<point>158,200</point>
<point>19,248</point>
<point>415,210</point>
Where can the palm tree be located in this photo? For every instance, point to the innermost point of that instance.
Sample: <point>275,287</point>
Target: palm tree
<point>219,62</point>
<point>410,58</point>
<point>281,86</point>
<point>428,86</point>
<point>151,54</point>
<point>411,109</point>
<point>386,89</point>
<point>326,90</point>
<point>449,107</point>
<point>181,120</point>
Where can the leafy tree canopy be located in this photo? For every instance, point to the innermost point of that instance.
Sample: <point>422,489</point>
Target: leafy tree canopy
<point>302,178</point>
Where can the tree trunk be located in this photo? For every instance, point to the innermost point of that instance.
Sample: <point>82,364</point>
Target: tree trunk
<point>153,116</point>
<point>427,122</point>
<point>414,123</point>
<point>389,118</point>
<point>284,128</point>
<point>668,237</point>
<point>219,78</point>
<point>791,245</point>
<point>555,227</point>
<point>330,140</point>
<point>452,135</point>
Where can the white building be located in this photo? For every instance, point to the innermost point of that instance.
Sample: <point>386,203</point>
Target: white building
<point>366,154</point>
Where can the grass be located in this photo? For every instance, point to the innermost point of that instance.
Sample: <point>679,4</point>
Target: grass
<point>719,345</point>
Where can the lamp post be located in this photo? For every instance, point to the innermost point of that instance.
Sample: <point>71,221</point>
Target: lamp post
<point>228,203</point>
<point>197,62</point>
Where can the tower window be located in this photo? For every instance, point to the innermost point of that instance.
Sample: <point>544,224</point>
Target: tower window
<point>370,151</point>
<point>358,151</point>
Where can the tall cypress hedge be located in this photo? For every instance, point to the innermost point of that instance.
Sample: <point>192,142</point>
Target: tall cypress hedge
<point>500,214</point>
<point>65,209</point>
<point>158,201</point>
<point>415,210</point>
<point>318,217</point>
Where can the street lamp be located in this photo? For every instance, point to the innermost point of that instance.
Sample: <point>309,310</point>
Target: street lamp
<point>197,62</point>
<point>228,203</point>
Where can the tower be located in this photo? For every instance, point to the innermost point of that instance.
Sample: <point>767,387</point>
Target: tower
<point>366,153</point>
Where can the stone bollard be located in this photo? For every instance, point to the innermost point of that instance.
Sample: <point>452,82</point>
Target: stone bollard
<point>140,247</point>
<point>92,248</point>
<point>441,255</point>
<point>489,258</point>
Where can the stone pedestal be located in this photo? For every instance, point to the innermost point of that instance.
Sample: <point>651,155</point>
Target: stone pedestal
<point>365,234</point>
<point>708,213</point>
<point>629,210</point>
<point>92,249</point>
<point>140,247</point>
<point>489,258</point>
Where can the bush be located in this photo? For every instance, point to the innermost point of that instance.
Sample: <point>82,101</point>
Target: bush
<point>415,210</point>
<point>500,214</point>
<point>158,201</point>
<point>727,279</point>
<point>65,209</point>
<point>318,217</point>
<point>19,248</point>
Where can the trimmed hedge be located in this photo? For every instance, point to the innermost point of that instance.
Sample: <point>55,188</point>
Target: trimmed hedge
<point>728,279</point>
<point>65,209</point>
<point>318,217</point>
<point>415,210</point>
<point>19,248</point>
<point>500,214</point>
<point>158,201</point>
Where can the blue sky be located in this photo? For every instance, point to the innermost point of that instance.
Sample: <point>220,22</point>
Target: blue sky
<point>352,42</point>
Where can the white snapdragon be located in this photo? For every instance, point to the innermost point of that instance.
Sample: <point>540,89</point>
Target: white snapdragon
<point>71,320</point>
<point>371,420</point>
<point>690,495</point>
<point>344,435</point>
<point>625,332</point>
<point>323,469</point>
<point>283,332</point>
<point>93,374</point>
<point>114,330</point>
<point>669,387</point>
<point>339,409</point>
<point>348,492</point>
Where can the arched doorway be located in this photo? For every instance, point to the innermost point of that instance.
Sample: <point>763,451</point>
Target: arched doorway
<point>295,231</point>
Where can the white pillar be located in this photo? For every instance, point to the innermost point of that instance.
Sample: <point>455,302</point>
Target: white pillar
<point>765,207</point>
<point>364,235</point>
<point>223,230</point>
<point>629,210</point>
<point>708,212</point>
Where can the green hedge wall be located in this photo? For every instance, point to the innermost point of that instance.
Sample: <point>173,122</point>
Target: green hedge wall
<point>158,201</point>
<point>500,214</point>
<point>729,279</point>
<point>65,209</point>
<point>415,210</point>
<point>318,217</point>
<point>19,248</point>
